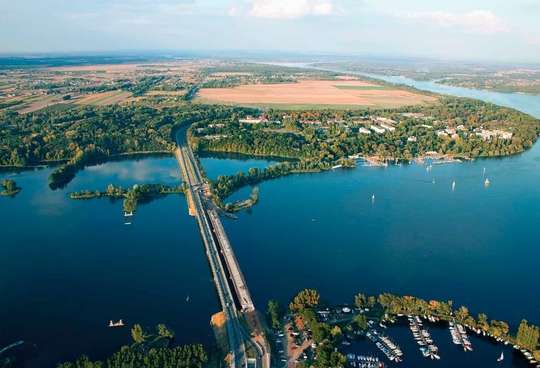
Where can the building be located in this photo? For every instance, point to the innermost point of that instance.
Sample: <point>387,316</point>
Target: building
<point>385,120</point>
<point>363,130</point>
<point>377,129</point>
<point>412,139</point>
<point>252,120</point>
<point>387,127</point>
<point>496,133</point>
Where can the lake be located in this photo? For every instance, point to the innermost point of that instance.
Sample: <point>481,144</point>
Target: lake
<point>68,267</point>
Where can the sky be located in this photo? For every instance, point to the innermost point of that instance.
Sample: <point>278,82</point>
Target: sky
<point>496,30</point>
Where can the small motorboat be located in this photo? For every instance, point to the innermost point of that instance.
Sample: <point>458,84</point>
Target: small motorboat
<point>120,323</point>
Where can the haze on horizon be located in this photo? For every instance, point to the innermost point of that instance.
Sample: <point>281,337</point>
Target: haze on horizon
<point>494,30</point>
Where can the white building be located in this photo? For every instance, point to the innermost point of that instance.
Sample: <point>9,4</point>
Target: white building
<point>252,120</point>
<point>387,127</point>
<point>377,129</point>
<point>385,120</point>
<point>363,130</point>
<point>488,134</point>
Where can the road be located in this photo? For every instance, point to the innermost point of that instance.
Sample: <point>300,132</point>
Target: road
<point>230,284</point>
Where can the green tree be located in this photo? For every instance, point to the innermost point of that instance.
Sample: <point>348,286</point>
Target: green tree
<point>273,311</point>
<point>527,335</point>
<point>305,298</point>
<point>361,321</point>
<point>164,331</point>
<point>138,334</point>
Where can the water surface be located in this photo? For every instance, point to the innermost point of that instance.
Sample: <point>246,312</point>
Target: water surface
<point>67,267</point>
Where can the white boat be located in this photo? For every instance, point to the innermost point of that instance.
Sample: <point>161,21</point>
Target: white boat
<point>128,214</point>
<point>120,323</point>
<point>487,182</point>
<point>453,185</point>
<point>501,358</point>
<point>373,198</point>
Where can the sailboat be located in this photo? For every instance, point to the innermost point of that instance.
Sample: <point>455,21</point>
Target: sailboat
<point>501,358</point>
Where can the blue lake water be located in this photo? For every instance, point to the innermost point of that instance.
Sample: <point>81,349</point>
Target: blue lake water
<point>68,267</point>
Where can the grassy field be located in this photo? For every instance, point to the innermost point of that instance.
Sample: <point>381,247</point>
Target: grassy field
<point>320,94</point>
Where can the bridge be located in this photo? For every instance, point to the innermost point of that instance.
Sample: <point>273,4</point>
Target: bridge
<point>231,286</point>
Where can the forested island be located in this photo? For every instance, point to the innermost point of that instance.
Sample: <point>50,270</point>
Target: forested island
<point>9,188</point>
<point>149,350</point>
<point>131,196</point>
<point>325,328</point>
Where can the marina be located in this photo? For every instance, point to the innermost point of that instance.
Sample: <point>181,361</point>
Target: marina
<point>423,338</point>
<point>362,361</point>
<point>459,336</point>
<point>386,345</point>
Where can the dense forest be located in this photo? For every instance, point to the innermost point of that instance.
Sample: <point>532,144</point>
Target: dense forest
<point>84,135</point>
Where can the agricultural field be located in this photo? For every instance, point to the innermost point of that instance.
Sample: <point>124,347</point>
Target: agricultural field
<point>306,93</point>
<point>104,98</point>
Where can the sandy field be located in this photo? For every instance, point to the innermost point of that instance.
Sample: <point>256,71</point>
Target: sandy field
<point>315,92</point>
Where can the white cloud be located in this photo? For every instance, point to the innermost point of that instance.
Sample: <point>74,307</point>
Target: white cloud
<point>286,9</point>
<point>476,21</point>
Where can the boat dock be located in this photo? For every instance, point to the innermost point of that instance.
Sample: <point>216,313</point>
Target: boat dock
<point>386,345</point>
<point>459,336</point>
<point>423,338</point>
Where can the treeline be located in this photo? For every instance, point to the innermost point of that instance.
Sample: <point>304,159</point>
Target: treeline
<point>148,351</point>
<point>132,196</point>
<point>143,85</point>
<point>226,185</point>
<point>66,172</point>
<point>191,93</point>
<point>84,135</point>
